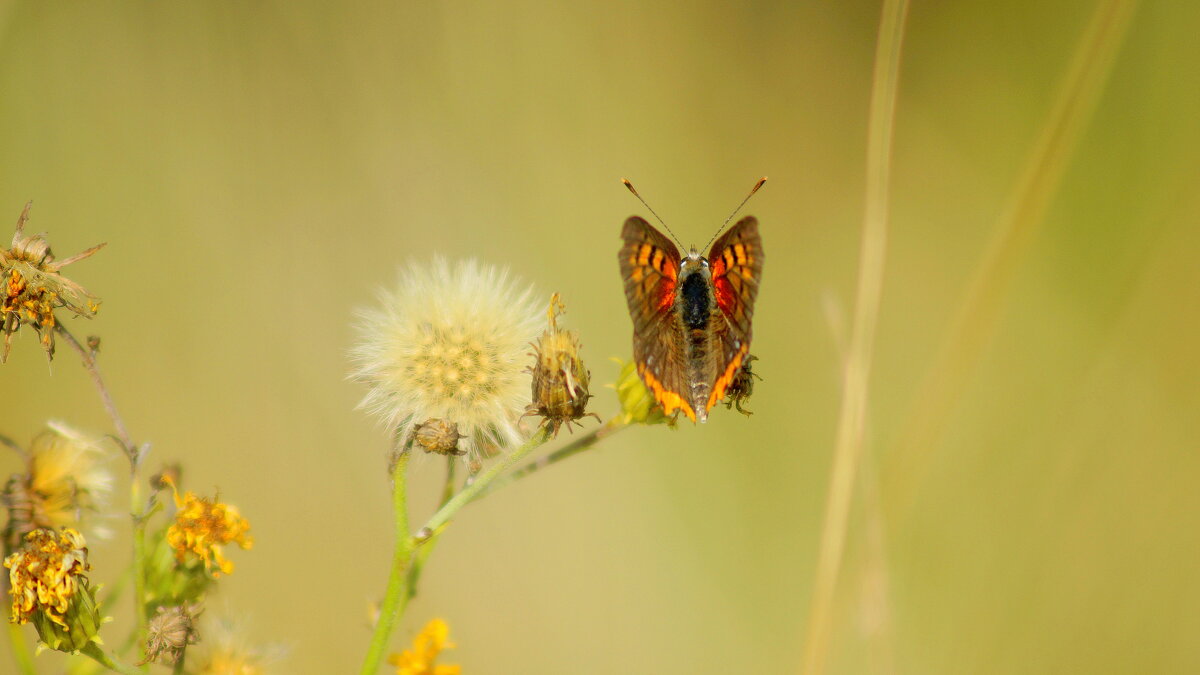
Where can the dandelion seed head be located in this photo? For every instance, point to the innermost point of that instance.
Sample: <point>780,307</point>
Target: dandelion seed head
<point>449,342</point>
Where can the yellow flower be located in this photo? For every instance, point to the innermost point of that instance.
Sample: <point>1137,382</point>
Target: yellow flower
<point>31,287</point>
<point>45,574</point>
<point>65,479</point>
<point>49,587</point>
<point>425,649</point>
<point>449,343</point>
<point>202,526</point>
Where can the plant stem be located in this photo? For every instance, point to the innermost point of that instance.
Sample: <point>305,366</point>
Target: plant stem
<point>448,486</point>
<point>93,368</point>
<point>20,649</point>
<point>573,448</point>
<point>137,509</point>
<point>101,657</point>
<point>397,594</point>
<point>485,479</point>
<point>857,367</point>
<point>981,306</point>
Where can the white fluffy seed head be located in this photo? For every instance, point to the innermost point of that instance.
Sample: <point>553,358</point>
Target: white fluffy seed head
<point>449,342</point>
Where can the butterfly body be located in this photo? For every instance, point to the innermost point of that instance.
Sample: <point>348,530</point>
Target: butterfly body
<point>691,315</point>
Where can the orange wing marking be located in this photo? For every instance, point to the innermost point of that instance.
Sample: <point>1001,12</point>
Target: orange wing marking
<point>726,378</point>
<point>669,400</point>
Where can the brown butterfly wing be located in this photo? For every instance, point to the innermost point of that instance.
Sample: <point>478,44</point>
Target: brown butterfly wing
<point>650,268</point>
<point>736,261</point>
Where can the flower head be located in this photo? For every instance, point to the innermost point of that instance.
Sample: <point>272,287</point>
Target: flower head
<point>48,584</point>
<point>170,632</point>
<point>560,380</point>
<point>31,287</point>
<point>420,659</point>
<point>202,526</point>
<point>742,386</point>
<point>65,478</point>
<point>449,343</point>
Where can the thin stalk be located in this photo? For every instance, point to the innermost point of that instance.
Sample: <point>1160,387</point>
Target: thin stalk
<point>573,448</point>
<point>980,308</point>
<point>397,594</point>
<point>484,479</point>
<point>448,486</point>
<point>857,368</point>
<point>137,509</point>
<point>98,655</point>
<point>20,649</point>
<point>93,369</point>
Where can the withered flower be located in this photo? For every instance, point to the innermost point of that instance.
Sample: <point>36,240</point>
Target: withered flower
<point>742,386</point>
<point>49,587</point>
<point>31,287</point>
<point>65,479</point>
<point>171,630</point>
<point>560,380</point>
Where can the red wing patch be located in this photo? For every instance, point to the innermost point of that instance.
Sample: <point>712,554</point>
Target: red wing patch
<point>650,269</point>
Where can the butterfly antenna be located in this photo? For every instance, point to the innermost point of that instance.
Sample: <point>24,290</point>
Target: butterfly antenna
<point>643,201</point>
<point>739,208</point>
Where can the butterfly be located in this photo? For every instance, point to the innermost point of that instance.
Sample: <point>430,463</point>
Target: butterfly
<point>691,315</point>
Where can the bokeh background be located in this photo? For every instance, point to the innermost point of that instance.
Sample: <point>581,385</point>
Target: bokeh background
<point>258,169</point>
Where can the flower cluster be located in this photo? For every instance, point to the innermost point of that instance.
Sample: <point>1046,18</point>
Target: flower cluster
<point>202,526</point>
<point>421,658</point>
<point>31,287</point>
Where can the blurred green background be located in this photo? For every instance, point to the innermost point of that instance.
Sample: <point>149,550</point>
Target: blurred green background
<point>259,168</point>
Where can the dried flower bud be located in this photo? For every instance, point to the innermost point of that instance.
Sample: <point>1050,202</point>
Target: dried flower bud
<point>438,436</point>
<point>560,380</point>
<point>31,288</point>
<point>742,386</point>
<point>171,630</point>
<point>50,589</point>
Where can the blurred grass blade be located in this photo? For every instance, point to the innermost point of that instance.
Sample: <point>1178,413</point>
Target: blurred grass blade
<point>979,310</point>
<point>857,367</point>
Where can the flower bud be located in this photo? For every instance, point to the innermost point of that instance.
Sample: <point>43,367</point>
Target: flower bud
<point>560,380</point>
<point>742,386</point>
<point>438,436</point>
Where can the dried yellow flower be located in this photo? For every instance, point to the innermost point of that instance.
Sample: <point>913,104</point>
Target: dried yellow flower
<point>202,526</point>
<point>49,586</point>
<point>31,287</point>
<point>420,659</point>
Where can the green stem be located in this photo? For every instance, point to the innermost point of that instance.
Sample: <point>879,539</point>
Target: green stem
<point>139,562</point>
<point>397,595</point>
<point>100,656</point>
<point>575,447</point>
<point>137,511</point>
<point>20,649</point>
<point>484,479</point>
